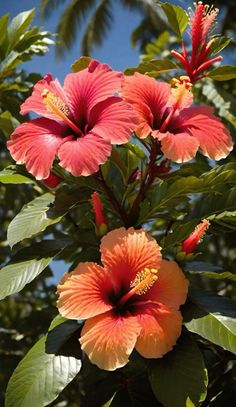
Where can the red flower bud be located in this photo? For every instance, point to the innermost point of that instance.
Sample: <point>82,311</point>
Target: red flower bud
<point>52,181</point>
<point>189,244</point>
<point>100,219</point>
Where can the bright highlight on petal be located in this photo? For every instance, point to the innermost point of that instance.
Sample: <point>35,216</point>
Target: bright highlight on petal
<point>131,302</point>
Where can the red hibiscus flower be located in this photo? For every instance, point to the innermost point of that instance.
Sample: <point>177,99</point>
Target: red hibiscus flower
<point>166,114</point>
<point>201,23</point>
<point>80,122</point>
<point>132,301</point>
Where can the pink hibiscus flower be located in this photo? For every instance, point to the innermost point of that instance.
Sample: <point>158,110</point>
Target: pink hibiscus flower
<point>132,301</point>
<point>201,22</point>
<point>166,114</point>
<point>80,122</point>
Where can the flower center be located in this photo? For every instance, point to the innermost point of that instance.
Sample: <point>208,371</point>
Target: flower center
<point>59,108</point>
<point>143,281</point>
<point>180,96</point>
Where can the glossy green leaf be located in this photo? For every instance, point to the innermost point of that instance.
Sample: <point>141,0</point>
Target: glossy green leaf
<point>26,265</point>
<point>177,17</point>
<point>212,317</point>
<point>180,377</point>
<point>223,73</point>
<point>39,378</point>
<point>153,67</point>
<point>32,219</point>
<point>218,44</point>
<point>10,176</point>
<point>80,64</point>
<point>18,26</point>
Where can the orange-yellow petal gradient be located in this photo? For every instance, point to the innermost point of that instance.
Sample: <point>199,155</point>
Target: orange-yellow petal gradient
<point>109,339</point>
<point>126,252</point>
<point>161,328</point>
<point>84,292</point>
<point>171,287</point>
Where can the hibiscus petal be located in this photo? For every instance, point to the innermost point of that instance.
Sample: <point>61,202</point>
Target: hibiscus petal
<point>214,138</point>
<point>35,143</point>
<point>84,155</point>
<point>161,328</point>
<point>84,292</point>
<point>113,120</point>
<point>179,147</point>
<point>171,287</point>
<point>34,103</point>
<point>90,86</point>
<point>109,339</point>
<point>126,252</point>
<point>144,92</point>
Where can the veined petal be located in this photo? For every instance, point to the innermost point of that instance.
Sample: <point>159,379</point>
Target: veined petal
<point>109,339</point>
<point>84,155</point>
<point>179,147</point>
<point>84,292</point>
<point>171,287</point>
<point>126,252</point>
<point>90,86</point>
<point>161,328</point>
<point>141,90</point>
<point>35,143</point>
<point>34,103</point>
<point>113,120</point>
<point>214,138</point>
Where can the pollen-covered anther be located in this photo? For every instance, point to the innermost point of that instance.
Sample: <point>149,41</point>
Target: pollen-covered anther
<point>144,280</point>
<point>183,80</point>
<point>54,103</point>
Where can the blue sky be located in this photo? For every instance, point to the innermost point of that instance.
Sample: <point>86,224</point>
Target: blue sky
<point>116,50</point>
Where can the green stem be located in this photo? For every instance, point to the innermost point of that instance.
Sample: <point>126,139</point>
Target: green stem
<point>116,205</point>
<point>146,182</point>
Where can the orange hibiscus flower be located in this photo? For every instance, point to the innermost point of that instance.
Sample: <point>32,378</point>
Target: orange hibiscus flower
<point>132,301</point>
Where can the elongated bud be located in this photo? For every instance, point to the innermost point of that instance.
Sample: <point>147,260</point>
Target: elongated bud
<point>100,218</point>
<point>189,244</point>
<point>52,181</point>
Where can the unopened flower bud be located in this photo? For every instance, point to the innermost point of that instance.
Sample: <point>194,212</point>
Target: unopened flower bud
<point>52,181</point>
<point>189,244</point>
<point>100,219</point>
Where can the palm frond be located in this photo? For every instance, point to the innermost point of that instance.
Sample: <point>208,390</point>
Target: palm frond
<point>70,22</point>
<point>48,6</point>
<point>98,26</point>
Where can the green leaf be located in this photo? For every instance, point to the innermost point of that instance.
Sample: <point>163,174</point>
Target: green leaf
<point>32,219</point>
<point>60,334</point>
<point>3,28</point>
<point>18,26</point>
<point>213,317</point>
<point>7,122</point>
<point>10,176</point>
<point>28,264</point>
<point>153,67</point>
<point>221,99</point>
<point>223,73</point>
<point>218,44</point>
<point>208,270</point>
<point>80,64</point>
<point>177,17</point>
<point>180,377</point>
<point>39,378</point>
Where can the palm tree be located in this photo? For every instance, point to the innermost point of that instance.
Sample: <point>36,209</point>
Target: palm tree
<point>101,16</point>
